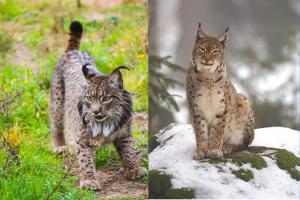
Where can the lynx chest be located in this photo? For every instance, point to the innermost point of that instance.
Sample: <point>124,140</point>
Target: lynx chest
<point>210,101</point>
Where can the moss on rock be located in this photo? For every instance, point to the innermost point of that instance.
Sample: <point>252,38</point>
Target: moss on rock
<point>259,149</point>
<point>217,161</point>
<point>160,187</point>
<point>152,143</point>
<point>179,194</point>
<point>288,161</point>
<point>256,161</point>
<point>254,156</point>
<point>243,174</point>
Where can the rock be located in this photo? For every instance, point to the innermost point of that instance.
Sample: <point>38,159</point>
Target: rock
<point>160,187</point>
<point>256,172</point>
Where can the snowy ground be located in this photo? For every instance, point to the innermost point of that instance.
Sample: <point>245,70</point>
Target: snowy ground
<point>175,158</point>
<point>278,137</point>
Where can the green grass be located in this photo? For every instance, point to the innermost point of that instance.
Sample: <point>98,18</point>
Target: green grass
<point>117,38</point>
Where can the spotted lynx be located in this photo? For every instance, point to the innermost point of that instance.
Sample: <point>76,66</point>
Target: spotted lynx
<point>223,120</point>
<point>88,109</point>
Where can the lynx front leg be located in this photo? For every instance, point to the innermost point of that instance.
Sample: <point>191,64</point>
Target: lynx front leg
<point>215,141</point>
<point>201,134</point>
<point>129,157</point>
<point>86,157</point>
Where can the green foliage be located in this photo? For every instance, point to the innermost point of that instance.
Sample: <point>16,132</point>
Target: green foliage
<point>161,113</point>
<point>9,10</point>
<point>160,81</point>
<point>117,38</point>
<point>6,43</point>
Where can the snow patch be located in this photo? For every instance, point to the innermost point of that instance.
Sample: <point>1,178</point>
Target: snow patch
<point>278,137</point>
<point>174,157</point>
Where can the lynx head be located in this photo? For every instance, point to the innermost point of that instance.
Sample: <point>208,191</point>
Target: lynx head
<point>106,100</point>
<point>208,51</point>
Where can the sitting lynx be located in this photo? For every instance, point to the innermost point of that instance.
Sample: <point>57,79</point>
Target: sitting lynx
<point>88,110</point>
<point>223,120</point>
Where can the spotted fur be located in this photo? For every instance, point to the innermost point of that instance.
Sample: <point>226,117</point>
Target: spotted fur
<point>89,109</point>
<point>223,120</point>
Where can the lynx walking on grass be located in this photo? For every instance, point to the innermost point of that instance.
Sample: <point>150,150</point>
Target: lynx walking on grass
<point>223,120</point>
<point>88,109</point>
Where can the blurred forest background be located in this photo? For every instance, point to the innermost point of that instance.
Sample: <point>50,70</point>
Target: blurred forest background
<point>33,36</point>
<point>262,55</point>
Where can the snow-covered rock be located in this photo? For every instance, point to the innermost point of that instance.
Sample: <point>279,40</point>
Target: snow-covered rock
<point>268,169</point>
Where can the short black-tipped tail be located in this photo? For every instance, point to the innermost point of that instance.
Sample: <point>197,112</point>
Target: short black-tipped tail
<point>74,36</point>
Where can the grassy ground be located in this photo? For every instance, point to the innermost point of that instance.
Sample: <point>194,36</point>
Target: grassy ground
<point>32,38</point>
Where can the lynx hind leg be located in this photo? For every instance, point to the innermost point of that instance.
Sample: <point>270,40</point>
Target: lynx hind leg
<point>129,157</point>
<point>230,148</point>
<point>247,114</point>
<point>56,112</point>
<point>246,117</point>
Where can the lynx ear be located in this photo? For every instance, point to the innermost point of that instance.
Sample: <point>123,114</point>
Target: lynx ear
<point>115,77</point>
<point>223,38</point>
<point>89,71</point>
<point>200,33</point>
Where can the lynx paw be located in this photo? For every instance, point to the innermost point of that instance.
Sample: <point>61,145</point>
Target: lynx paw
<point>215,153</point>
<point>90,184</point>
<point>60,149</point>
<point>199,155</point>
<point>226,150</point>
<point>135,173</point>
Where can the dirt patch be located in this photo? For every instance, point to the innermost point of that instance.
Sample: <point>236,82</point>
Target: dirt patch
<point>23,56</point>
<point>114,185</point>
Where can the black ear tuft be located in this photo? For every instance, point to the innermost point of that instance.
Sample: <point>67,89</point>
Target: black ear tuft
<point>89,72</point>
<point>76,27</point>
<point>200,33</point>
<point>116,77</point>
<point>199,25</point>
<point>223,38</point>
<point>121,67</point>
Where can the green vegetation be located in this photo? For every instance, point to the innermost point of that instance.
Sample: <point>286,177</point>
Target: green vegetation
<point>288,161</point>
<point>256,161</point>
<point>243,174</point>
<point>216,161</point>
<point>160,187</point>
<point>33,35</point>
<point>6,43</point>
<point>253,155</point>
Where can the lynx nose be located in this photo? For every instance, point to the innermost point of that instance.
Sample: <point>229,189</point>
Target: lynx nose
<point>96,108</point>
<point>96,112</point>
<point>207,59</point>
<point>99,116</point>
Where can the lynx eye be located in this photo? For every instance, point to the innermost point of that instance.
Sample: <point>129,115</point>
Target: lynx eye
<point>89,99</point>
<point>107,99</point>
<point>215,51</point>
<point>202,49</point>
